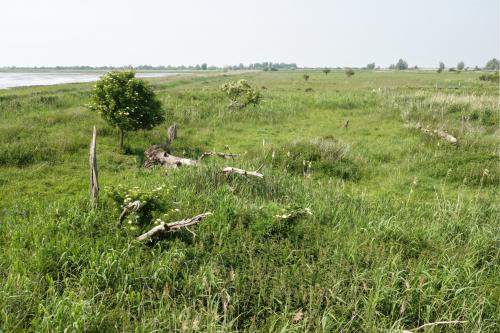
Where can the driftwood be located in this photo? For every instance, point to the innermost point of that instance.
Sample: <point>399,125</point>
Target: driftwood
<point>172,133</point>
<point>94,180</point>
<point>157,155</point>
<point>133,206</point>
<point>433,132</point>
<point>226,156</point>
<point>453,322</point>
<point>255,173</point>
<point>172,227</point>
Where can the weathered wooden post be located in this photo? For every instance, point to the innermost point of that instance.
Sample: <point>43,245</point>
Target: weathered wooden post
<point>94,181</point>
<point>172,133</point>
<point>462,125</point>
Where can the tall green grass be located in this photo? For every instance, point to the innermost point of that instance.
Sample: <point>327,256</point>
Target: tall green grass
<point>403,231</point>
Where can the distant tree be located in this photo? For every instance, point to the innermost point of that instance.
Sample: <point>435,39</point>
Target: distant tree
<point>326,71</point>
<point>197,67</point>
<point>306,77</point>
<point>349,72</point>
<point>460,66</point>
<point>370,66</point>
<point>401,65</point>
<point>125,102</point>
<point>441,67</point>
<point>492,65</point>
<point>392,66</point>
<point>204,66</point>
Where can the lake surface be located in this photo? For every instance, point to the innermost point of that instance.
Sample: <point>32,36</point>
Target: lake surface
<point>14,79</point>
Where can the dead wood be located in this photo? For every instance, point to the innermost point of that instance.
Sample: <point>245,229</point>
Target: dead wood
<point>172,133</point>
<point>157,155</point>
<point>453,322</point>
<point>173,226</point>
<point>226,156</point>
<point>346,124</point>
<point>433,132</point>
<point>133,206</point>
<point>242,172</point>
<point>94,180</point>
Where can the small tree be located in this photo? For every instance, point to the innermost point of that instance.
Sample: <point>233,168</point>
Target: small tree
<point>461,66</point>
<point>441,67</point>
<point>125,102</point>
<point>492,65</point>
<point>204,66</point>
<point>326,71</point>
<point>306,77</point>
<point>370,66</point>
<point>349,72</point>
<point>401,65</point>
<point>241,94</point>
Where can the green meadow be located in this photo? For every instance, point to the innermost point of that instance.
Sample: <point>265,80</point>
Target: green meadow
<point>403,227</point>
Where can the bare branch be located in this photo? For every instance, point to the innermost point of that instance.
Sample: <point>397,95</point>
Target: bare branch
<point>133,206</point>
<point>172,227</point>
<point>218,154</point>
<point>228,170</point>
<point>452,322</point>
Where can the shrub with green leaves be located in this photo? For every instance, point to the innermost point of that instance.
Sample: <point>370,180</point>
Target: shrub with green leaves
<point>349,72</point>
<point>325,155</point>
<point>149,201</point>
<point>241,94</point>
<point>493,77</point>
<point>125,102</point>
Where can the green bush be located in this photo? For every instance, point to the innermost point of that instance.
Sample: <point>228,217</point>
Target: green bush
<point>326,156</point>
<point>494,77</point>
<point>241,94</point>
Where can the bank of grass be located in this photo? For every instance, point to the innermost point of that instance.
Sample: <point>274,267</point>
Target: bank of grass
<point>403,231</point>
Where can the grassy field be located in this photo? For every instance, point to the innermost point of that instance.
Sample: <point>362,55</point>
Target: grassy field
<point>404,227</point>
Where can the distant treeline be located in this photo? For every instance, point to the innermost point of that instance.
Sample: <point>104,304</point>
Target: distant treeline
<point>256,66</point>
<point>401,64</point>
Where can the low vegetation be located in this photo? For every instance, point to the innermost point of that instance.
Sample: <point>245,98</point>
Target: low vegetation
<point>368,227</point>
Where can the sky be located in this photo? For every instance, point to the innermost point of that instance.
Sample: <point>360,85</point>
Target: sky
<point>311,33</point>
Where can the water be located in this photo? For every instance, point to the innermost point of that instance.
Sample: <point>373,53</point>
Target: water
<point>10,80</point>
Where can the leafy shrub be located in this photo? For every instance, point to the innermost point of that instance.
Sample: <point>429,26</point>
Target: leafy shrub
<point>489,118</point>
<point>148,200</point>
<point>494,77</point>
<point>324,155</point>
<point>349,72</point>
<point>241,94</point>
<point>306,77</point>
<point>456,108</point>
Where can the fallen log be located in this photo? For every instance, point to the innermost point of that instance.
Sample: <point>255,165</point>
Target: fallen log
<point>173,226</point>
<point>228,170</point>
<point>226,156</point>
<point>157,155</point>
<point>433,132</point>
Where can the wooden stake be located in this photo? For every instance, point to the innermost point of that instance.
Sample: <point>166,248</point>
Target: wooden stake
<point>94,181</point>
<point>172,133</point>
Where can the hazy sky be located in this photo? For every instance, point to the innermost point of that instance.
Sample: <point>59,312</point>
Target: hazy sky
<point>221,32</point>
